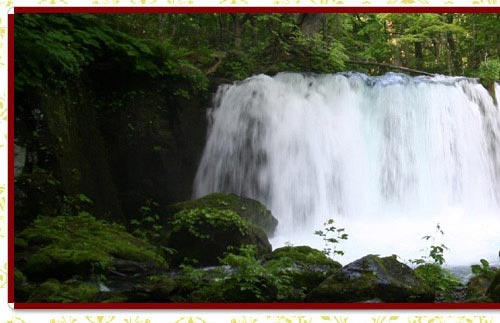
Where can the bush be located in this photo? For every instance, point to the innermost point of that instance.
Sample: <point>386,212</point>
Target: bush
<point>489,71</point>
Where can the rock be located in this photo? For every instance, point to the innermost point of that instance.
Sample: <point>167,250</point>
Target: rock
<point>307,267</point>
<point>372,277</point>
<point>64,246</point>
<point>52,291</point>
<point>482,286</point>
<point>250,209</point>
<point>205,234</point>
<point>476,289</point>
<point>493,292</point>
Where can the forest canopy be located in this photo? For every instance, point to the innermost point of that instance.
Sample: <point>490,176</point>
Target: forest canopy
<point>235,46</point>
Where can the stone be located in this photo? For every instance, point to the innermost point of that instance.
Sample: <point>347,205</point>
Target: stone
<point>250,209</point>
<point>205,234</point>
<point>372,277</point>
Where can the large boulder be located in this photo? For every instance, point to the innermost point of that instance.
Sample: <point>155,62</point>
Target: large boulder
<point>493,292</point>
<point>372,277</point>
<point>307,267</point>
<point>62,247</point>
<point>250,209</point>
<point>205,234</point>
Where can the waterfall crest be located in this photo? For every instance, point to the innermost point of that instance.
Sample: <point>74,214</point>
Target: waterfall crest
<point>386,157</point>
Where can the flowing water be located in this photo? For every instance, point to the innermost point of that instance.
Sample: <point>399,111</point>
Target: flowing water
<point>388,158</point>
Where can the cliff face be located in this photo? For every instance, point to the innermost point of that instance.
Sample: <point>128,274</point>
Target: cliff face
<point>118,143</point>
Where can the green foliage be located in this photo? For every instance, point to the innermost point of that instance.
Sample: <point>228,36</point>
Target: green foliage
<point>306,267</point>
<point>436,251</point>
<point>483,270</point>
<point>52,291</point>
<point>73,204</point>
<point>148,226</point>
<point>315,54</point>
<point>252,210</point>
<point>52,48</point>
<point>332,236</point>
<point>489,71</point>
<point>67,245</point>
<point>196,221</point>
<point>241,278</point>
<point>429,268</point>
<point>441,280</point>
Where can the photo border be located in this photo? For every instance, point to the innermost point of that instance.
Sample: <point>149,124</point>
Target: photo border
<point>205,306</point>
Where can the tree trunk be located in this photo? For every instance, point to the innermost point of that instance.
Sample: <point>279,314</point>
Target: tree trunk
<point>419,56</point>
<point>311,23</point>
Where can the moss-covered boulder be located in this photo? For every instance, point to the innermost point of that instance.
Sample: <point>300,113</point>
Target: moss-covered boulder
<point>53,291</point>
<point>372,277</point>
<point>477,288</point>
<point>307,267</point>
<point>205,234</point>
<point>250,209</point>
<point>64,246</point>
<point>493,291</point>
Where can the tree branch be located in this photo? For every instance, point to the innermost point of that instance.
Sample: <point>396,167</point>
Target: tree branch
<point>391,66</point>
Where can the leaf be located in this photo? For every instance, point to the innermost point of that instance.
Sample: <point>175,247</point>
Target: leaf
<point>485,263</point>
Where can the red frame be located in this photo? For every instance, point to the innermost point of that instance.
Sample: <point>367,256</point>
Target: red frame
<point>234,306</point>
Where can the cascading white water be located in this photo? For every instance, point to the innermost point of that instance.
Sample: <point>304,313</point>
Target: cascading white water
<point>386,157</point>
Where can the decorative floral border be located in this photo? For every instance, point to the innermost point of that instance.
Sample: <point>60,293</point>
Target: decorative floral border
<point>9,315</point>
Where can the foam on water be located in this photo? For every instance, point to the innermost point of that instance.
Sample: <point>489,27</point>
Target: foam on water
<point>386,157</point>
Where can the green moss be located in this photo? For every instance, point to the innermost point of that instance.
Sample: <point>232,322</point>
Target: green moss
<point>205,234</point>
<point>52,291</point>
<point>373,277</point>
<point>67,245</point>
<point>306,267</point>
<point>250,209</point>
<point>303,255</point>
<point>477,288</point>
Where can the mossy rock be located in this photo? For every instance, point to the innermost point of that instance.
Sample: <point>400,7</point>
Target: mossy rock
<point>250,209</point>
<point>477,288</point>
<point>372,277</point>
<point>63,246</point>
<point>493,291</point>
<point>52,291</point>
<point>22,288</point>
<point>153,288</point>
<point>205,234</point>
<point>307,267</point>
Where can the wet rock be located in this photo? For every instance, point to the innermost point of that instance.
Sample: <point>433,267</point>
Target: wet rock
<point>372,277</point>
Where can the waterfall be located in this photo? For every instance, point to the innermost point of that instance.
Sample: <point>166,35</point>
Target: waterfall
<point>386,157</point>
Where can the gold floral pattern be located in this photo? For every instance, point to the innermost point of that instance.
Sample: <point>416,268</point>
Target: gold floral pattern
<point>64,319</point>
<point>190,319</point>
<point>233,2</point>
<point>100,319</point>
<point>483,2</point>
<point>16,319</point>
<point>3,276</point>
<point>136,319</point>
